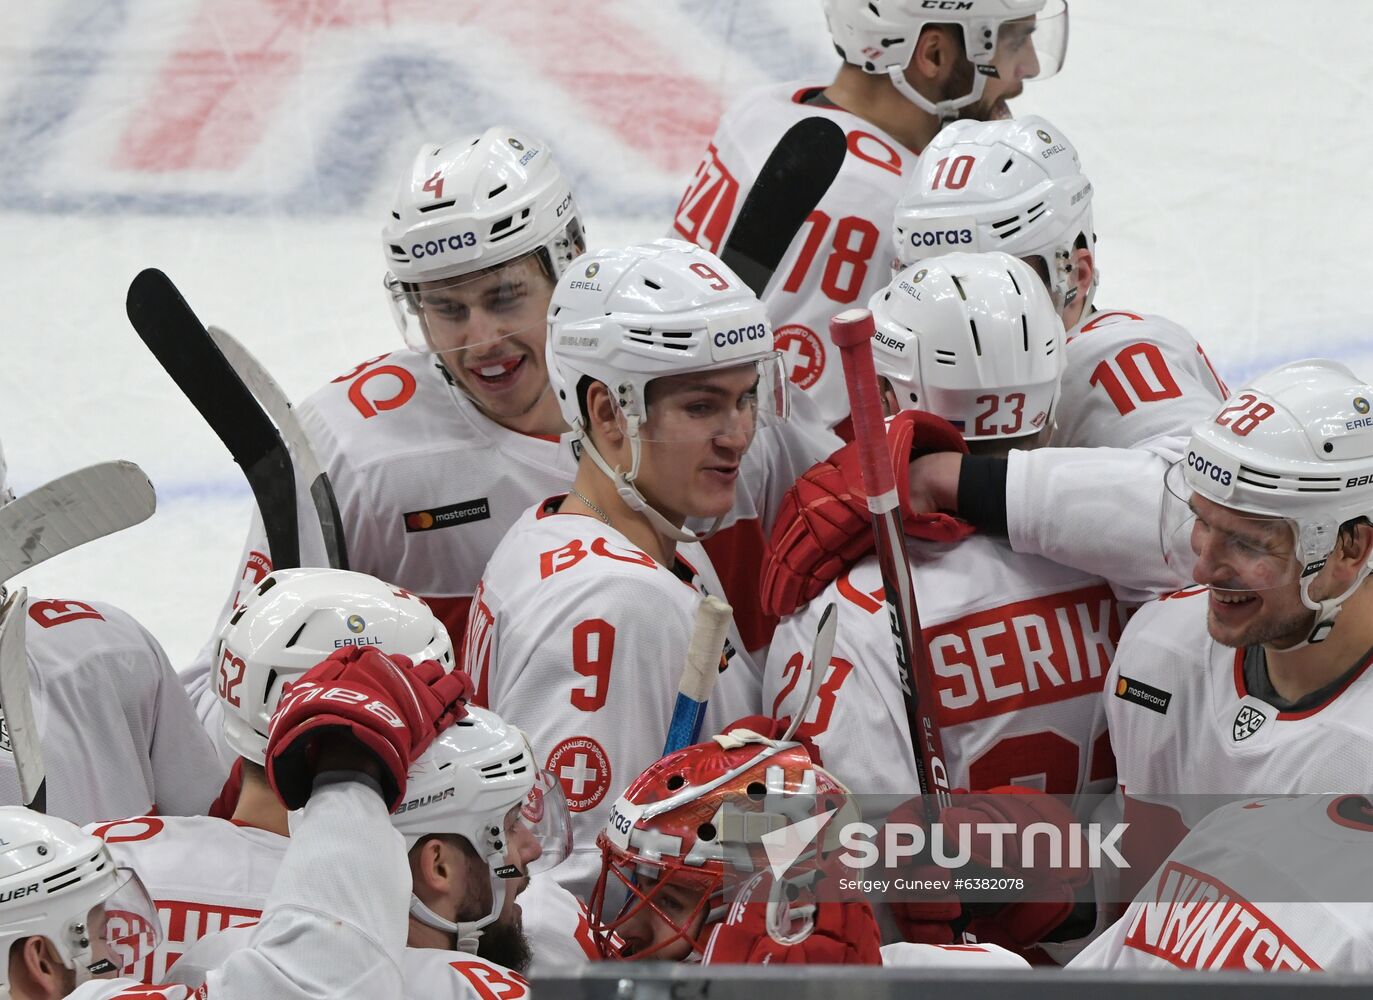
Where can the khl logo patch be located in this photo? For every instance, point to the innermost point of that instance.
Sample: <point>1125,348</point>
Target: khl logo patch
<point>1247,722</point>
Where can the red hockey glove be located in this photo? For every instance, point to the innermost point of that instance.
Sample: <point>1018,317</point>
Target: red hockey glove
<point>390,708</point>
<point>774,729</point>
<point>842,933</point>
<point>1050,888</point>
<point>930,920</point>
<point>823,525</point>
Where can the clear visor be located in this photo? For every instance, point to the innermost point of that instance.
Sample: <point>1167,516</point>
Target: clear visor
<point>1223,548</point>
<point>544,816</point>
<point>638,909</point>
<point>124,929</point>
<point>474,314</point>
<point>724,403</point>
<point>1033,48</point>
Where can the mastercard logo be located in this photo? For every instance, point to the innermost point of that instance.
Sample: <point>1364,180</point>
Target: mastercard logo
<point>419,522</point>
<point>1121,687</point>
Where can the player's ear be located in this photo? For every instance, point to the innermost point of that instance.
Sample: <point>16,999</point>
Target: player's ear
<point>1084,270</point>
<point>937,52</point>
<point>603,415</point>
<point>428,867</point>
<point>36,971</point>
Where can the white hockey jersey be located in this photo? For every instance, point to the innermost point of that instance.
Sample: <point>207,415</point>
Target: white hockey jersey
<point>119,736</point>
<point>842,254</point>
<point>1262,885</point>
<point>320,934</point>
<point>426,486</point>
<point>203,874</point>
<point>579,637</point>
<point>555,922</point>
<point>1183,724</point>
<point>907,954</point>
<point>1020,647</point>
<point>1131,379</point>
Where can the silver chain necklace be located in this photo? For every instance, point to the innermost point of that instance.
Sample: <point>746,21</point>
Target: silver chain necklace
<point>605,519</point>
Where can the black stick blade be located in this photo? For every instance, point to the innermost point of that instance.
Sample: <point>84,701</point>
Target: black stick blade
<point>795,177</point>
<point>183,347</point>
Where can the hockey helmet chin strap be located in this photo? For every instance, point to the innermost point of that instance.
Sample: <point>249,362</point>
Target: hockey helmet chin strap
<point>467,932</point>
<point>629,493</point>
<point>1326,610</point>
<point>945,111</point>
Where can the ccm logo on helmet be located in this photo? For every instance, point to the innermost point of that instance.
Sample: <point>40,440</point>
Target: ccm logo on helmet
<point>947,4</point>
<point>435,247</point>
<point>1208,468</point>
<point>743,335</point>
<point>942,237</point>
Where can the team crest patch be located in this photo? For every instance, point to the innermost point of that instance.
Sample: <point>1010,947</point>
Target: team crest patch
<point>803,354</point>
<point>581,766</point>
<point>1152,698</point>
<point>463,512</point>
<point>1247,722</point>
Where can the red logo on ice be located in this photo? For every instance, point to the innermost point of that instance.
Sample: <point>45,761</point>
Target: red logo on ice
<point>583,768</point>
<point>803,354</point>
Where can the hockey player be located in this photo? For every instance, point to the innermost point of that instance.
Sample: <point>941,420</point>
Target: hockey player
<point>73,916</point>
<point>436,450</point>
<point>295,618</point>
<point>119,736</point>
<point>1018,187</point>
<point>1020,645</point>
<point>908,68</point>
<point>1134,382</point>
<point>663,361</point>
<point>1256,680</point>
<point>1277,883</point>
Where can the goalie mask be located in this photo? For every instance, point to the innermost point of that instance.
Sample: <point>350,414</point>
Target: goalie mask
<point>61,884</point>
<point>479,781</point>
<point>880,36</point>
<point>972,338</point>
<point>1259,498</point>
<point>1014,186</point>
<point>628,317</point>
<point>689,823</point>
<point>294,619</point>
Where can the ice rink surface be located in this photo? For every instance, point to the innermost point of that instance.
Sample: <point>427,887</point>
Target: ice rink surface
<point>250,148</point>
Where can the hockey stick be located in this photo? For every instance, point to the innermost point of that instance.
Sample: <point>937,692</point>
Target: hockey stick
<point>852,332</point>
<point>820,654</point>
<point>182,346</point>
<point>699,673</point>
<point>18,706</point>
<point>794,178</point>
<point>278,406</point>
<point>72,510</point>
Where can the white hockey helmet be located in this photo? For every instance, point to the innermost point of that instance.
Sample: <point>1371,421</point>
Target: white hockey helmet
<point>625,317</point>
<point>468,783</point>
<point>1295,444</point>
<point>972,338</point>
<point>61,884</point>
<point>879,37</point>
<point>296,618</point>
<point>1015,186</point>
<point>470,205</point>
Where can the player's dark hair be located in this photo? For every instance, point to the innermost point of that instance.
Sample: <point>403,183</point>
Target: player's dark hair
<point>1348,537</point>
